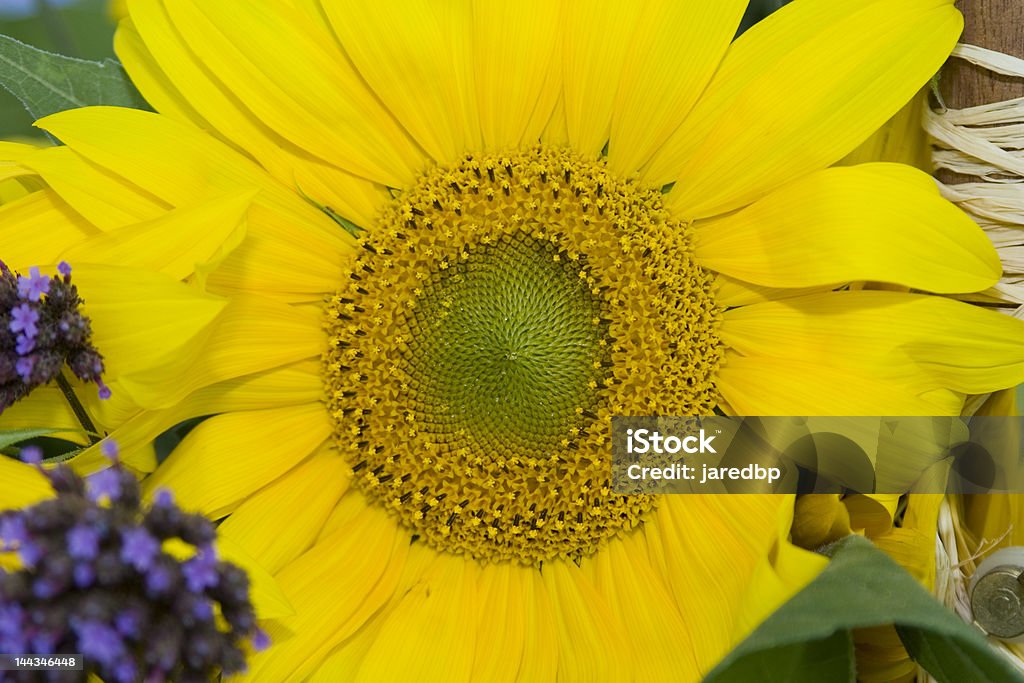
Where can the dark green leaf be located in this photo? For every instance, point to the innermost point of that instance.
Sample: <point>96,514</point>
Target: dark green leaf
<point>46,83</point>
<point>803,641</point>
<point>829,659</point>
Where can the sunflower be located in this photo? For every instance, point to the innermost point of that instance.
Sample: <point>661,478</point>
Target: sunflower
<point>475,232</point>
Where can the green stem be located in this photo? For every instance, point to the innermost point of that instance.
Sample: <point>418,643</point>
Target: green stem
<point>78,409</point>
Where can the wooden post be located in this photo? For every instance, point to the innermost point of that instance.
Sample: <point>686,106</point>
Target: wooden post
<point>994,24</point>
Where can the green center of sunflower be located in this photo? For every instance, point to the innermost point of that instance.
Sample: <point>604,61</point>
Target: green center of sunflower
<point>506,338</point>
<point>499,315</point>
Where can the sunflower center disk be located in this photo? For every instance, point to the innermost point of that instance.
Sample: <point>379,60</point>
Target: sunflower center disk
<point>502,349</point>
<point>500,314</point>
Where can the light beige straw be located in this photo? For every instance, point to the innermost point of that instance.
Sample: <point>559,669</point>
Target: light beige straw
<point>987,142</point>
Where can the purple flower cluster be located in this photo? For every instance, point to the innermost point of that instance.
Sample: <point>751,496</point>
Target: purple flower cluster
<point>97,581</point>
<point>41,330</point>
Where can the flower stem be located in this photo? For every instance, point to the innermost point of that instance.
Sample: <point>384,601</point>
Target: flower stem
<point>78,409</point>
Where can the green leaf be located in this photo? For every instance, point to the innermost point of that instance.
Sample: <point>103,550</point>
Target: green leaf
<point>9,437</point>
<point>47,83</point>
<point>808,638</point>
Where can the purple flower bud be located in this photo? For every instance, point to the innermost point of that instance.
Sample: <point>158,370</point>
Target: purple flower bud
<point>12,619</point>
<point>158,580</point>
<point>12,530</point>
<point>33,287</point>
<point>24,368</point>
<point>29,553</point>
<point>138,548</point>
<point>83,575</point>
<point>44,643</point>
<point>125,671</point>
<point>105,483</point>
<point>41,335</point>
<point>128,622</point>
<point>24,345</point>
<point>110,449</point>
<point>83,542</point>
<point>95,580</point>
<point>202,610</point>
<point>64,268</point>
<point>260,640</point>
<point>23,319</point>
<point>201,571</point>
<point>99,641</point>
<point>45,588</point>
<point>33,455</point>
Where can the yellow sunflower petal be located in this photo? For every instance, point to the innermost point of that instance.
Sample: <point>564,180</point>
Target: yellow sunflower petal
<point>13,151</point>
<point>443,603</point>
<point>597,40</point>
<point>592,644</point>
<point>273,266</point>
<point>757,385</point>
<point>23,484</point>
<point>45,407</point>
<point>181,165</point>
<point>12,169</point>
<point>819,519</point>
<point>106,200</point>
<point>36,228</point>
<point>777,575</point>
<point>295,385</point>
<point>267,597</point>
<point>335,587</point>
<point>291,246</point>
<point>514,55</point>
<point>869,222</point>
<point>501,623</point>
<point>929,342</point>
<point>874,514</point>
<point>731,292</point>
<point>251,335</point>
<point>655,94</point>
<point>283,519</point>
<point>147,76</point>
<point>645,608</point>
<point>901,139</point>
<point>806,94</point>
<point>412,62</point>
<point>540,650</point>
<point>160,46</point>
<point>306,91</point>
<point>710,564</point>
<point>229,457</point>
<point>344,662</point>
<point>194,86</point>
<point>141,318</point>
<point>176,243</point>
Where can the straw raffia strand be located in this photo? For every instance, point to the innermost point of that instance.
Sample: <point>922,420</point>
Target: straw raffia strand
<point>956,558</point>
<point>987,142</point>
